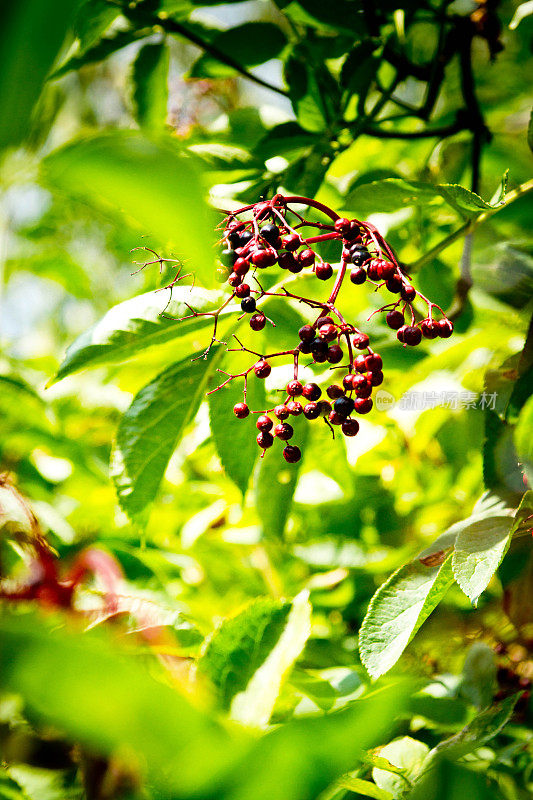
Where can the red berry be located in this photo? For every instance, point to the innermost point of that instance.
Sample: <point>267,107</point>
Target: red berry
<point>306,258</point>
<point>445,328</point>
<point>350,427</point>
<point>241,410</point>
<point>265,439</point>
<point>327,332</point>
<point>361,341</point>
<point>376,378</point>
<point>306,333</point>
<point>429,328</point>
<point>281,412</point>
<point>412,335</point>
<point>347,381</point>
<point>257,321</point>
<point>394,283</point>
<point>408,292</point>
<point>284,431</point>
<point>353,232</point>
<point>334,391</point>
<point>243,290</point>
<point>358,276</point>
<point>360,364</point>
<point>292,454</point>
<point>363,405</point>
<point>335,418</point>
<point>323,271</point>
<point>311,391</point>
<point>264,258</point>
<point>373,269</point>
<point>264,423</point>
<point>234,279</point>
<point>342,225</point>
<point>400,334</point>
<point>262,369</point>
<point>395,319</point>
<point>386,270</point>
<point>261,210</point>
<point>241,266</point>
<point>363,389</point>
<point>294,388</point>
<point>334,354</point>
<point>324,321</point>
<point>291,242</point>
<point>374,362</point>
<point>312,410</point>
<point>294,407</point>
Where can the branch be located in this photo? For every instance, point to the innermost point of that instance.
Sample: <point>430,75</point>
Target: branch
<point>440,133</point>
<point>137,15</point>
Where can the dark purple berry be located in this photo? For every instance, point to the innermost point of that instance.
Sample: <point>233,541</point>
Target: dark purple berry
<point>311,391</point>
<point>334,354</point>
<point>265,439</point>
<point>412,335</point>
<point>350,427</point>
<point>323,271</point>
<point>270,232</point>
<point>395,319</point>
<point>306,333</point>
<point>292,454</point>
<point>312,410</point>
<point>408,292</point>
<point>284,431</point>
<point>344,406</point>
<point>248,305</point>
<point>445,328</point>
<point>358,276</point>
<point>334,391</point>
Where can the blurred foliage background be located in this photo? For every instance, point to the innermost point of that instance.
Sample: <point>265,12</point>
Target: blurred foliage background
<point>127,125</point>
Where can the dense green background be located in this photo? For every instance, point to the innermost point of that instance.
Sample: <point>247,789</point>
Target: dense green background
<point>127,125</point>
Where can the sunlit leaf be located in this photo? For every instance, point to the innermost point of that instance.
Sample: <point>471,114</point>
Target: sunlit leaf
<point>150,75</point>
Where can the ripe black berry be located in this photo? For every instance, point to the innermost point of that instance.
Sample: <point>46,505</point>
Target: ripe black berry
<point>305,348</point>
<point>395,319</point>
<point>284,431</point>
<point>265,439</point>
<point>412,335</point>
<point>248,304</point>
<point>323,271</point>
<point>264,423</point>
<point>319,349</point>
<point>358,276</point>
<point>295,267</point>
<point>286,260</point>
<point>243,290</point>
<point>307,333</point>
<point>312,411</point>
<point>257,321</point>
<point>394,283</point>
<point>292,454</point>
<point>262,369</point>
<point>334,354</point>
<point>350,427</point>
<point>270,232</point>
<point>359,256</point>
<point>334,391</point>
<point>241,410</point>
<point>344,406</point>
<point>311,391</point>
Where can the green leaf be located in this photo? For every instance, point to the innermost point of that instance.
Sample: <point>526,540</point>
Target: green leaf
<point>478,683</point>
<point>99,51</point>
<point>150,95</point>
<point>103,698</point>
<point>298,760</point>
<point>479,549</point>
<point>31,34</point>
<point>397,611</point>
<point>365,788</point>
<point>524,439</point>
<point>92,20</point>
<point>391,194</point>
<point>408,755</point>
<point>449,781</point>
<point>136,324</point>
<point>249,656</point>
<point>151,181</point>
<point>250,44</point>
<point>235,438</point>
<point>153,425</point>
<point>275,486</point>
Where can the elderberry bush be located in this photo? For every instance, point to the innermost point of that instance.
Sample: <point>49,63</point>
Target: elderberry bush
<point>275,233</point>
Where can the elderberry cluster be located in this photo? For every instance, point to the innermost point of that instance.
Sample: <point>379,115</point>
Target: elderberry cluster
<point>269,233</point>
